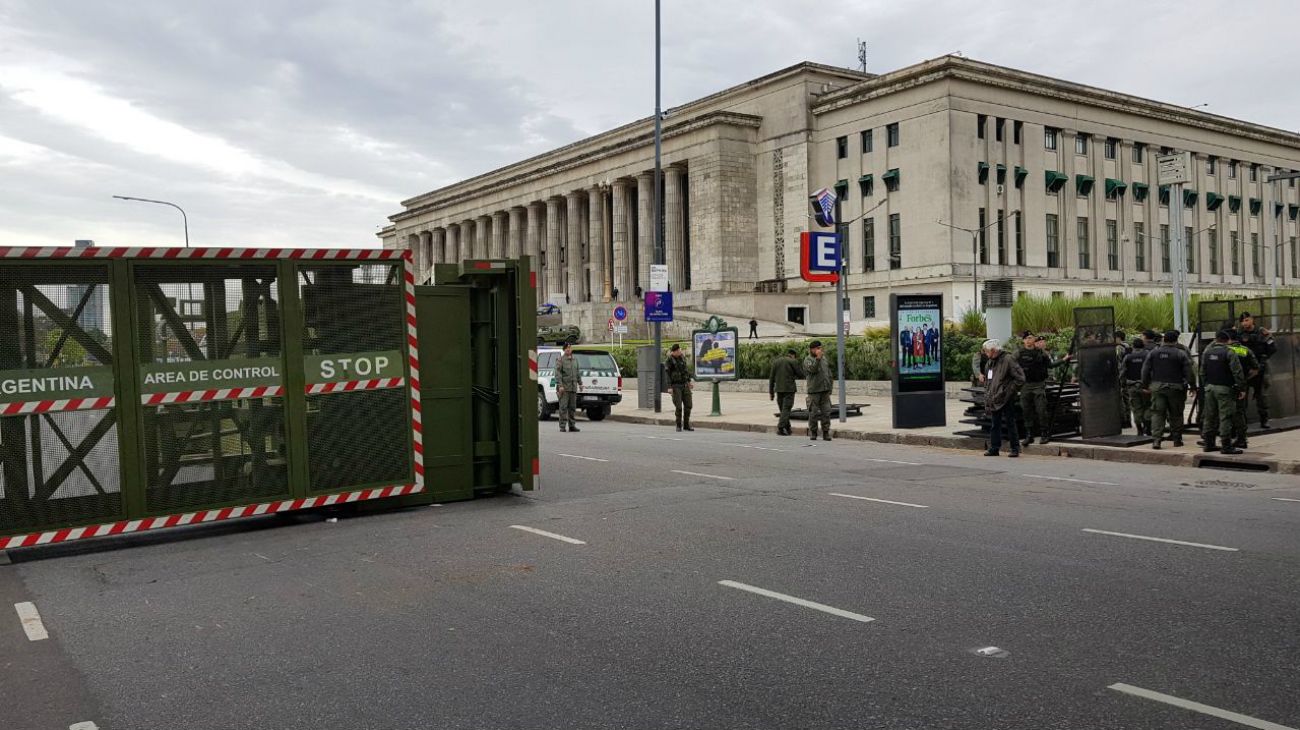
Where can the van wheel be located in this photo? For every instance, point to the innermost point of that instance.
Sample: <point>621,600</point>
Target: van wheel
<point>543,411</point>
<point>597,414</point>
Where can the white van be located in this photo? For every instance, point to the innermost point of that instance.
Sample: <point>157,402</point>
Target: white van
<point>600,384</point>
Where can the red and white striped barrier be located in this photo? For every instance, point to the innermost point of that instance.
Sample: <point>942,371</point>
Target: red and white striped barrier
<point>413,361</point>
<point>194,518</point>
<point>118,252</point>
<point>347,385</point>
<point>203,396</point>
<point>24,408</point>
<point>532,365</point>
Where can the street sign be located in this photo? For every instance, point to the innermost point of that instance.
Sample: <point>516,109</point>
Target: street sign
<point>1174,169</point>
<point>823,205</point>
<point>611,324</point>
<point>805,261</point>
<point>620,313</point>
<point>658,277</point>
<point>658,306</point>
<point>824,252</point>
<point>620,329</point>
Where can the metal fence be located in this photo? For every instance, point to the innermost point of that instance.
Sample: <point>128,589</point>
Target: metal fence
<point>1279,316</point>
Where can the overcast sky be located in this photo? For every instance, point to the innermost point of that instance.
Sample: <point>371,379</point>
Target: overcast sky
<point>305,123</point>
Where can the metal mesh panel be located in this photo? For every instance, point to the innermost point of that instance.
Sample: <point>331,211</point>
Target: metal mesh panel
<point>207,312</point>
<point>352,308</point>
<point>59,467</point>
<point>200,454</point>
<point>358,438</point>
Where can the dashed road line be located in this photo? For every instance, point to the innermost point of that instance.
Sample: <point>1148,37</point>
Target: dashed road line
<point>551,535</point>
<point>1161,539</point>
<point>663,438</point>
<point>894,461</point>
<point>796,601</point>
<point>83,726</point>
<point>584,458</point>
<point>1284,499</point>
<point>1067,479</point>
<point>31,619</point>
<point>698,474</point>
<point>751,446</point>
<point>882,501</point>
<point>1236,717</point>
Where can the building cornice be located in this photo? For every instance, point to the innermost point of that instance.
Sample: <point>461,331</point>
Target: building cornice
<point>496,181</point>
<point>1011,79</point>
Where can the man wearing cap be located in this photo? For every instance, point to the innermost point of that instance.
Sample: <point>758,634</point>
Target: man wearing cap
<point>1167,375</point>
<point>1002,381</point>
<point>1035,363</point>
<point>818,372</point>
<point>1130,373</point>
<point>1259,341</point>
<point>781,387</point>
<point>567,377</point>
<point>679,377</point>
<point>1224,382</point>
<point>1121,351</point>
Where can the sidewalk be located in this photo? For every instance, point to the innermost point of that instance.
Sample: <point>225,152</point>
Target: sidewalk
<point>1277,452</point>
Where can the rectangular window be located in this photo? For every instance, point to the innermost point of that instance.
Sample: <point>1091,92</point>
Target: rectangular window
<point>1210,164</point>
<point>1234,252</point>
<point>1089,295</point>
<point>841,148</point>
<point>1016,129</point>
<point>1058,295</point>
<point>895,242</point>
<point>869,307</point>
<point>1049,138</point>
<point>1140,246</point>
<point>1053,241</point>
<point>1020,242</point>
<point>868,244</point>
<point>1164,248</point>
<point>1112,148</point>
<point>980,121</point>
<point>1080,144</point>
<point>984,245</point>
<point>846,304</point>
<point>1085,254</point>
<point>1189,244</point>
<point>1295,264</point>
<point>891,134</point>
<point>865,138</point>
<point>1232,170</point>
<point>1254,173</point>
<point>1138,149</point>
<point>1112,245</point>
<point>1002,238</point>
<point>997,130</point>
<point>1254,255</point>
<point>1212,238</point>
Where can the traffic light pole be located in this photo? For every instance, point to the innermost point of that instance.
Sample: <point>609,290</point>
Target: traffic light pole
<point>658,218</point>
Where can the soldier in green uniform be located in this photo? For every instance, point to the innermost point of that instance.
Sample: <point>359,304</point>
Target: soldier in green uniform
<point>566,387</point>
<point>1036,364</point>
<point>818,372</point>
<point>781,387</point>
<point>1260,342</point>
<point>1167,375</point>
<point>680,382</point>
<point>1224,381</point>
<point>1251,366</point>
<point>1122,351</point>
<point>1130,372</point>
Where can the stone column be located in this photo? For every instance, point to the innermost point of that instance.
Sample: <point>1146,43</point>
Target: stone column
<point>423,257</point>
<point>438,245</point>
<point>515,233</point>
<point>498,248</point>
<point>622,268</point>
<point>533,246</point>
<point>554,260</point>
<point>413,245</point>
<point>573,261</point>
<point>645,232</point>
<point>674,229</point>
<point>466,240</point>
<point>596,244</point>
<point>482,232</point>
<point>452,254</point>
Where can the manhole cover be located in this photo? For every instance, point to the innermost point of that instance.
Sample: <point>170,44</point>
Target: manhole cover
<point>927,472</point>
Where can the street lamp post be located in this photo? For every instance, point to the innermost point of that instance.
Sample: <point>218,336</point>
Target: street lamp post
<point>658,213</point>
<point>975,258</point>
<point>184,218</point>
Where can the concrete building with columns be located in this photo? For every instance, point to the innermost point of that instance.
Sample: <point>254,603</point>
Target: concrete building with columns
<point>1060,176</point>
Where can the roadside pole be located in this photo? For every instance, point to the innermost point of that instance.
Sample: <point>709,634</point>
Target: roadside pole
<point>839,329</point>
<point>658,216</point>
<point>1175,170</point>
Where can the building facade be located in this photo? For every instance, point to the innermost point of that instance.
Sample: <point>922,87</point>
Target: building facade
<point>1059,178</point>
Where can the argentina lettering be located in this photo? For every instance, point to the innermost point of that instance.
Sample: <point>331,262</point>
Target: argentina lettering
<point>17,386</point>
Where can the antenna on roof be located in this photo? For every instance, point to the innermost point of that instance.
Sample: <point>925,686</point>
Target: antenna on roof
<point>862,55</point>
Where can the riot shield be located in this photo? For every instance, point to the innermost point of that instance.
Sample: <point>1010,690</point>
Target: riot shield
<point>1098,372</point>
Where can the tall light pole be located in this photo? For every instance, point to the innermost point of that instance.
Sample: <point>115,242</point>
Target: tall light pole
<point>184,218</point>
<point>658,217</point>
<point>974,247</point>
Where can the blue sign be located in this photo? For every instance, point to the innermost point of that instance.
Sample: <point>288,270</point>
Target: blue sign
<point>620,313</point>
<point>824,251</point>
<point>658,306</point>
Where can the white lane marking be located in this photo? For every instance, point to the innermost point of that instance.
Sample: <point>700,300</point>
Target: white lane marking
<point>84,726</point>
<point>551,535</point>
<point>1161,539</point>
<point>1197,707</point>
<point>894,461</point>
<point>750,446</point>
<point>796,601</point>
<point>31,619</point>
<point>1284,499</point>
<point>1067,479</point>
<point>663,438</point>
<point>697,474</point>
<point>882,501</point>
<point>584,458</point>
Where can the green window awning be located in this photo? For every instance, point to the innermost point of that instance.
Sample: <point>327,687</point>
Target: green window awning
<point>891,178</point>
<point>1293,211</point>
<point>1140,191</point>
<point>1164,195</point>
<point>1256,205</point>
<point>866,183</point>
<point>1277,209</point>
<point>1234,203</point>
<point>1189,198</point>
<point>1021,173</point>
<point>1083,184</point>
<point>1213,201</point>
<point>984,172</point>
<point>1055,180</point>
<point>842,184</point>
<point>1002,173</point>
<point>1115,188</point>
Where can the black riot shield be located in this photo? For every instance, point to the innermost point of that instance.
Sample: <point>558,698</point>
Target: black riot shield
<point>1098,372</point>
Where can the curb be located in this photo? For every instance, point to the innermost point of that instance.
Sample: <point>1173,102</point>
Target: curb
<point>1135,455</point>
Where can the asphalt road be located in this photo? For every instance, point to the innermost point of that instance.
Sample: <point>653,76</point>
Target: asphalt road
<point>705,580</point>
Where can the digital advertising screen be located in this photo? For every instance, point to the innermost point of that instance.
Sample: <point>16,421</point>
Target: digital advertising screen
<point>918,342</point>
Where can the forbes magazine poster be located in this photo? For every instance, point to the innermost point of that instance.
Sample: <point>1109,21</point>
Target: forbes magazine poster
<point>919,341</point>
